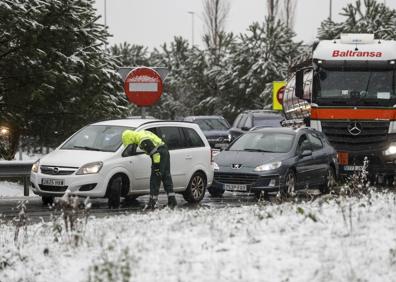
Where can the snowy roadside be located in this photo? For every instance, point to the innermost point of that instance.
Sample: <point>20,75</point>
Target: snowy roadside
<point>348,240</point>
<point>12,189</point>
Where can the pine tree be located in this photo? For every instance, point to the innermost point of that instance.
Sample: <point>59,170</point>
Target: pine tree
<point>259,57</point>
<point>54,73</point>
<point>368,16</point>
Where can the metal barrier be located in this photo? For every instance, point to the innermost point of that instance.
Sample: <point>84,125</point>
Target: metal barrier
<point>17,169</point>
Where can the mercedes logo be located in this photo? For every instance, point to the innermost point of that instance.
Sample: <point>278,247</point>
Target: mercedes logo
<point>236,166</point>
<point>355,128</point>
<point>55,170</point>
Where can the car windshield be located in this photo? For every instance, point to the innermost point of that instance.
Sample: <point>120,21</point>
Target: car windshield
<point>264,142</point>
<point>106,138</point>
<point>212,124</point>
<point>360,87</point>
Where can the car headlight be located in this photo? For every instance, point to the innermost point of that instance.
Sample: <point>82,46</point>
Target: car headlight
<point>215,166</point>
<point>270,166</point>
<point>35,166</point>
<point>391,150</point>
<point>90,168</point>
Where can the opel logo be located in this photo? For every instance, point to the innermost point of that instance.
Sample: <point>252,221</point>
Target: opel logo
<point>236,166</point>
<point>355,128</point>
<point>55,170</point>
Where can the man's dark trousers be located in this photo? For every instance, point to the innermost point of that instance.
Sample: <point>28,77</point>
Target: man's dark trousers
<point>155,180</point>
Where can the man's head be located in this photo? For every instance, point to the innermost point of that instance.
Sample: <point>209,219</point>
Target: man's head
<point>129,137</point>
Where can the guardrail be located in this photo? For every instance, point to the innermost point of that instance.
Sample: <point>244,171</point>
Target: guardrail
<point>17,169</point>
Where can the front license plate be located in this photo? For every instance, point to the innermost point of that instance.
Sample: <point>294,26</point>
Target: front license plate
<point>52,182</point>
<point>353,167</point>
<point>235,187</point>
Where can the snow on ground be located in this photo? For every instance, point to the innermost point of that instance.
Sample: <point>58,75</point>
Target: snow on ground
<point>12,189</point>
<point>325,240</point>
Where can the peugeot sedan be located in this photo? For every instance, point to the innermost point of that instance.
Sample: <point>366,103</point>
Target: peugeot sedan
<point>276,159</point>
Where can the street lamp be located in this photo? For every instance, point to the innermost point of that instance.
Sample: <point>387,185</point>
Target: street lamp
<point>331,8</point>
<point>192,27</point>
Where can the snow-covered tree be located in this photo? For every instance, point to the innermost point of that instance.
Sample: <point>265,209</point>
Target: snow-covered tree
<point>54,73</point>
<point>257,58</point>
<point>367,16</point>
<point>130,55</point>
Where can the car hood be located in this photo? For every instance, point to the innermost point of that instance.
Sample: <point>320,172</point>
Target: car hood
<point>247,159</point>
<point>211,133</point>
<point>74,158</point>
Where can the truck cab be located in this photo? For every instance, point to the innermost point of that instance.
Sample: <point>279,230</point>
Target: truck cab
<point>348,92</point>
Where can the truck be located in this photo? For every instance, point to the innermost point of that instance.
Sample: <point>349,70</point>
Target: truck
<point>347,91</point>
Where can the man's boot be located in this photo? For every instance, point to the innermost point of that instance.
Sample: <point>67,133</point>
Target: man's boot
<point>172,203</point>
<point>151,204</point>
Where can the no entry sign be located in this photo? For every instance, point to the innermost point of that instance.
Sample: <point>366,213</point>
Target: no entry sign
<point>143,86</point>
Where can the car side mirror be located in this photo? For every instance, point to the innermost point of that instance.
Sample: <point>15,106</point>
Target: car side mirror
<point>299,89</point>
<point>245,128</point>
<point>306,153</point>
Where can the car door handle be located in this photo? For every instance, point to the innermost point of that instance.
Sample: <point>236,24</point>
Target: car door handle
<point>188,157</point>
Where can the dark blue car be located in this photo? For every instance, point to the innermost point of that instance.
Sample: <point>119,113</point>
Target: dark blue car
<point>276,159</point>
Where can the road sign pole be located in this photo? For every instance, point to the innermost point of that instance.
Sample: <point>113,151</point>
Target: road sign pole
<point>143,112</point>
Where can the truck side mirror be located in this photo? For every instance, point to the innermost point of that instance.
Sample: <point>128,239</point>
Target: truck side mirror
<point>299,84</point>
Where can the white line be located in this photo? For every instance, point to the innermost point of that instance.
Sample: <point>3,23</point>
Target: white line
<point>143,87</point>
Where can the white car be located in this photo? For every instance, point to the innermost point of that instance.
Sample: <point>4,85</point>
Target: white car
<point>93,162</point>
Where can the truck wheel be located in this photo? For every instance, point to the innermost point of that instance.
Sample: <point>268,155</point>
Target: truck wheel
<point>215,192</point>
<point>329,182</point>
<point>196,188</point>
<point>114,192</point>
<point>261,195</point>
<point>47,200</point>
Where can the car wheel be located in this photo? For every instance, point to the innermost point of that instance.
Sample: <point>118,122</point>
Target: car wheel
<point>47,200</point>
<point>215,192</point>
<point>290,184</point>
<point>329,181</point>
<point>114,192</point>
<point>196,188</point>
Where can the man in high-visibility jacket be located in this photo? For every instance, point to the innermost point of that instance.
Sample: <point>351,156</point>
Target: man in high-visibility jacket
<point>152,145</point>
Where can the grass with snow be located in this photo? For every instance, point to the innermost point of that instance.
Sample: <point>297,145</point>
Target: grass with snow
<point>341,239</point>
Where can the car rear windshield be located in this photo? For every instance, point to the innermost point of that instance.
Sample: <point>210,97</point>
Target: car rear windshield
<point>272,121</point>
<point>105,138</point>
<point>212,124</point>
<point>264,142</point>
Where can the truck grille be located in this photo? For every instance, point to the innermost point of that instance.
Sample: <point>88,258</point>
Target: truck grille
<point>373,135</point>
<point>235,178</point>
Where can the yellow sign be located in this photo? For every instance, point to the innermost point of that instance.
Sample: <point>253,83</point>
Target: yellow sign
<point>278,90</point>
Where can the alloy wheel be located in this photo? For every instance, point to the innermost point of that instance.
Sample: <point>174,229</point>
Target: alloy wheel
<point>197,186</point>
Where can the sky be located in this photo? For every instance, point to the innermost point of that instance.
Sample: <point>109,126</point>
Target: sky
<point>153,22</point>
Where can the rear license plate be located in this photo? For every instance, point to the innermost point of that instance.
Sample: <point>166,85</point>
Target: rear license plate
<point>235,187</point>
<point>352,167</point>
<point>52,182</point>
<point>343,158</point>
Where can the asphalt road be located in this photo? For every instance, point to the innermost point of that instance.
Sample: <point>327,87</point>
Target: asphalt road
<point>37,211</point>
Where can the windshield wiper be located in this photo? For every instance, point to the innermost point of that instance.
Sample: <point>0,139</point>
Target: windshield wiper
<point>257,150</point>
<point>87,148</point>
